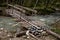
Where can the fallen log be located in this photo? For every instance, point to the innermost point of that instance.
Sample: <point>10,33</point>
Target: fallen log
<point>20,9</point>
<point>26,8</point>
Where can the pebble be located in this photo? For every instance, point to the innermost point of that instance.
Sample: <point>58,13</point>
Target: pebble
<point>10,39</point>
<point>1,29</point>
<point>8,35</point>
<point>5,31</point>
<point>41,30</point>
<point>28,37</point>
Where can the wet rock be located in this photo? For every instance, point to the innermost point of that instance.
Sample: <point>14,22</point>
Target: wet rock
<point>37,31</point>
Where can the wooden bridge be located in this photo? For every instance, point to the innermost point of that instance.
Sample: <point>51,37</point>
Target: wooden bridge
<point>19,14</point>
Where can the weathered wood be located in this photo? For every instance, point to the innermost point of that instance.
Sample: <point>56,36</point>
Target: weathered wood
<point>20,9</point>
<point>26,8</point>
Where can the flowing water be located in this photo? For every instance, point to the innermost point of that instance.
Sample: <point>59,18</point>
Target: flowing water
<point>8,22</point>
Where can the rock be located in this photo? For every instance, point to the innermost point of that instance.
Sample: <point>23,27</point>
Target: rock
<point>1,29</point>
<point>39,31</point>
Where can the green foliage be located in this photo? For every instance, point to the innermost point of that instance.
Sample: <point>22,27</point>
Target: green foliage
<point>56,30</point>
<point>2,3</point>
<point>43,5</point>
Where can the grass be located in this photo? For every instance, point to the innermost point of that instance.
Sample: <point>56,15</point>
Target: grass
<point>56,30</point>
